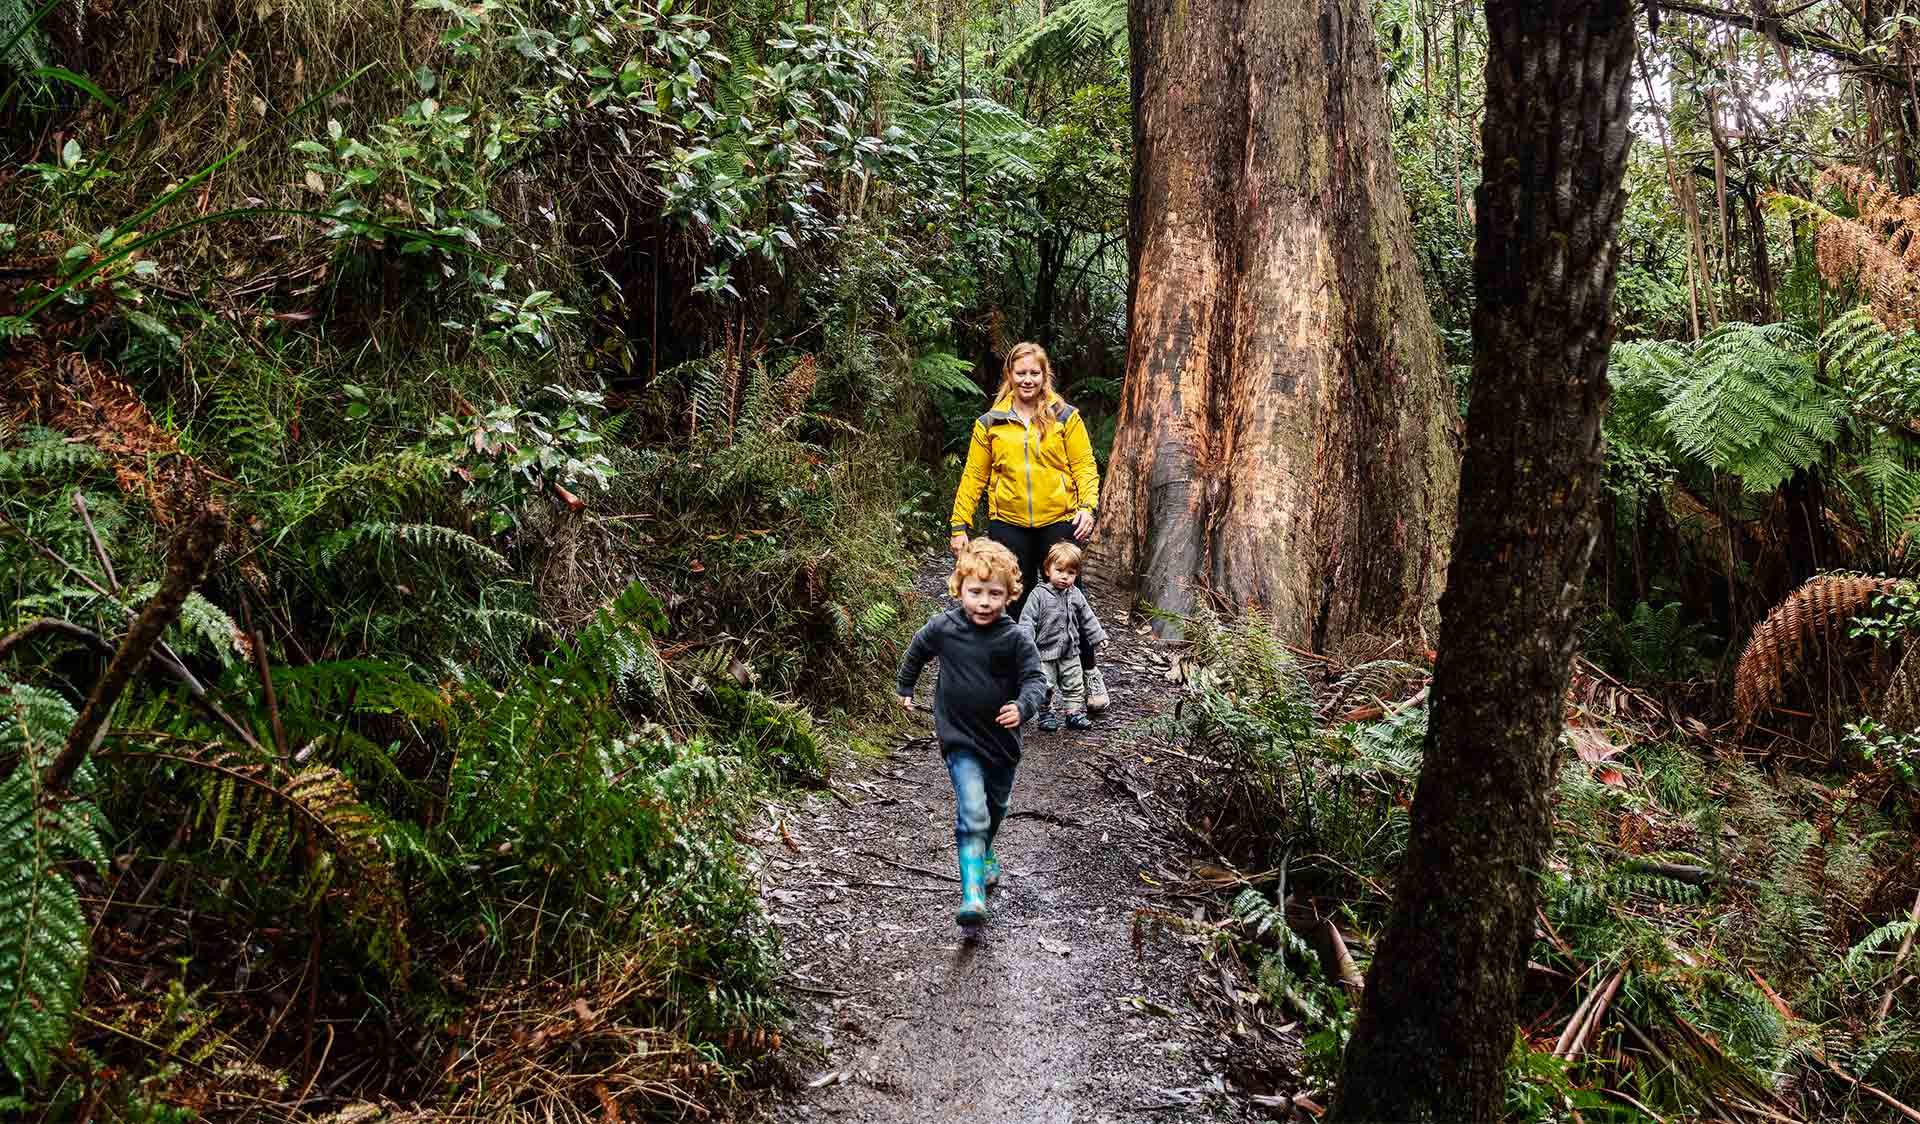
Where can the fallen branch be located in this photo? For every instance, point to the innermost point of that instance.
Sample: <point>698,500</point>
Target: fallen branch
<point>32,629</point>
<point>1893,974</point>
<point>187,562</point>
<point>914,869</point>
<point>1691,875</point>
<point>1596,1011</point>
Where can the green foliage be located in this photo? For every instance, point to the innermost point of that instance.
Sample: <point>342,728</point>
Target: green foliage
<point>43,935</point>
<point>1068,33</point>
<point>1744,400</point>
<point>1653,645</point>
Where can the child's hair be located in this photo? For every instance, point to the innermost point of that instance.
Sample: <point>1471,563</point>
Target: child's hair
<point>1064,555</point>
<point>987,561</point>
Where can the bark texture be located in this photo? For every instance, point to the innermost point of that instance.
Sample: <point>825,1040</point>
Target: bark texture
<point>1443,995</point>
<point>1287,434</point>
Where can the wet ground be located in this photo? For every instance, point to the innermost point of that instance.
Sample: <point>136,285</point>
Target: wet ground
<point>1070,1004</point>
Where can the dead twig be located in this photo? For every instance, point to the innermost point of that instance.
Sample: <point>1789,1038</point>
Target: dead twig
<point>187,562</point>
<point>93,536</point>
<point>913,869</point>
<point>1899,958</point>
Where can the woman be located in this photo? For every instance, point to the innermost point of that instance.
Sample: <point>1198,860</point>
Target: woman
<point>1031,456</point>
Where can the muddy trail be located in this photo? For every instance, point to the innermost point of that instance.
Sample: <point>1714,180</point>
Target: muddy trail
<point>1076,1002</point>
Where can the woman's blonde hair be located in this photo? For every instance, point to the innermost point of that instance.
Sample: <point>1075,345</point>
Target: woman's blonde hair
<point>1047,420</point>
<point>985,560</point>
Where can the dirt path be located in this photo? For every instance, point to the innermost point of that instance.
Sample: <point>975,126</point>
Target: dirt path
<point>1048,1015</point>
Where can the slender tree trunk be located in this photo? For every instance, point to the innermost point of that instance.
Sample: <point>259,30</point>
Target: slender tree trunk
<point>1286,436</point>
<point>1443,996</point>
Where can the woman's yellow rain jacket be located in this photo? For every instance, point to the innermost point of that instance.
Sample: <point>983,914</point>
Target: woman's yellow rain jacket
<point>1035,480</point>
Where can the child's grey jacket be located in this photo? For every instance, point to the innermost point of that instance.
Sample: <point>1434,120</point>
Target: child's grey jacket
<point>1062,624</point>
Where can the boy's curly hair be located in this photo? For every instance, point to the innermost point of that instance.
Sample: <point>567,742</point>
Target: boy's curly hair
<point>985,560</point>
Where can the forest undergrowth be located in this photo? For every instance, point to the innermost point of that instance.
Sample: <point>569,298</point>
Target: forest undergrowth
<point>537,374</point>
<point>1724,933</point>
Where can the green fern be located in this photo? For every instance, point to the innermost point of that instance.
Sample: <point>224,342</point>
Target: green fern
<point>1878,370</point>
<point>424,542</point>
<point>252,440</point>
<point>879,617</point>
<point>43,934</point>
<point>46,453</point>
<point>1752,406</point>
<point>1074,31</point>
<point>947,373</point>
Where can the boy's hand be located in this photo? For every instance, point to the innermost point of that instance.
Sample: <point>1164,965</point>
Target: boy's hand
<point>1009,716</point>
<point>906,701</point>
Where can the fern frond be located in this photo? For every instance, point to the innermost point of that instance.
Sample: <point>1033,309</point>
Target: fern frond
<point>946,372</point>
<point>1075,30</point>
<point>1818,610</point>
<point>46,453</point>
<point>422,541</point>
<point>43,934</point>
<point>1752,406</point>
<point>262,806</point>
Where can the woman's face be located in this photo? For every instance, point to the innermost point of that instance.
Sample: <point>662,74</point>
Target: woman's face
<point>1029,380</point>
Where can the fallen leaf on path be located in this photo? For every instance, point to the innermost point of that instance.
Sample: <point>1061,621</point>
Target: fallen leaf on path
<point>1058,948</point>
<point>1591,744</point>
<point>831,1077</point>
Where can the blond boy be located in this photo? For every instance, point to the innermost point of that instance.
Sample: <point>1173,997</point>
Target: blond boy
<point>990,683</point>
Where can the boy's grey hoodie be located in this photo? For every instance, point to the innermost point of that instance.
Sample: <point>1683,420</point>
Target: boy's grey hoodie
<point>1062,624</point>
<point>981,670</point>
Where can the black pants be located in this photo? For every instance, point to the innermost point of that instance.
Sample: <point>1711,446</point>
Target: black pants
<point>1030,546</point>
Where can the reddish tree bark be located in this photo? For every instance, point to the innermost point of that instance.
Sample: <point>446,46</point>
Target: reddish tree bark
<point>1286,436</point>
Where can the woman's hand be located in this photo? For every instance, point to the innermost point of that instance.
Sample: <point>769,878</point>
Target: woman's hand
<point>1082,524</point>
<point>957,543</point>
<point>1009,716</point>
<point>906,701</point>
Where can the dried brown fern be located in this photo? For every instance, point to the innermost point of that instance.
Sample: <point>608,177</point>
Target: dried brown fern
<point>1818,610</point>
<point>1878,250</point>
<point>799,383</point>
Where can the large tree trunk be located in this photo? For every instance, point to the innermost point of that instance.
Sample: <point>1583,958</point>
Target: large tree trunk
<point>1287,435</point>
<point>1443,995</point>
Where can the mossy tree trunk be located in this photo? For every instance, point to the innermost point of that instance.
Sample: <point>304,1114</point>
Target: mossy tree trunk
<point>1287,433</point>
<point>1443,995</point>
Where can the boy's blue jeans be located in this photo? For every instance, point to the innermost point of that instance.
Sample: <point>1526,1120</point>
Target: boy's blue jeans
<point>980,792</point>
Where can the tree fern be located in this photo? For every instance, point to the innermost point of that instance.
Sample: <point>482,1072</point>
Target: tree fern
<point>1878,369</point>
<point>945,372</point>
<point>1076,30</point>
<point>43,934</point>
<point>1749,404</point>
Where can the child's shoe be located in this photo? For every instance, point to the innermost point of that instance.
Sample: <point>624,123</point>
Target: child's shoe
<point>1079,722</point>
<point>973,883</point>
<point>993,870</point>
<point>1096,691</point>
<point>1049,722</point>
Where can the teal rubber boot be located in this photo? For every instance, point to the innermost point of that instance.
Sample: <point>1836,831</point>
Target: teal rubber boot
<point>993,869</point>
<point>973,883</point>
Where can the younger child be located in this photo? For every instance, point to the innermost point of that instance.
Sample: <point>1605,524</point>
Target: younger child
<point>989,684</point>
<point>1064,629</point>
